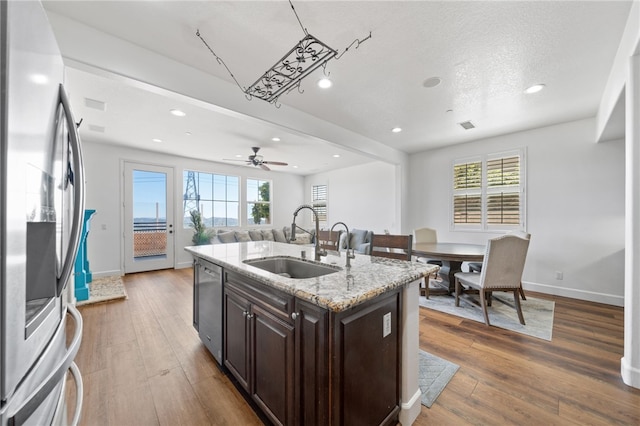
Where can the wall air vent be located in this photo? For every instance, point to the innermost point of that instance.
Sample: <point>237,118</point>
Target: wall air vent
<point>95,128</point>
<point>94,104</point>
<point>467,125</point>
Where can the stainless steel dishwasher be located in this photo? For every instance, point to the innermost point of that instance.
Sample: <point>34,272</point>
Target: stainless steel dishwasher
<point>207,305</point>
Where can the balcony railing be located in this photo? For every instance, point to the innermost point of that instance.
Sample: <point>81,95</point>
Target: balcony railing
<point>149,239</point>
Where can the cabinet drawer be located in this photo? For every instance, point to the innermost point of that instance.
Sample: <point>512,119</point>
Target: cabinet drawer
<point>279,303</point>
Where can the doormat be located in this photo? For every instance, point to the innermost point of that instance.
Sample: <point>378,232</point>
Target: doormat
<point>105,289</point>
<point>435,374</point>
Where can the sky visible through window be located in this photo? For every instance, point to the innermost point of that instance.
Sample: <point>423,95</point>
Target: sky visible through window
<point>149,196</point>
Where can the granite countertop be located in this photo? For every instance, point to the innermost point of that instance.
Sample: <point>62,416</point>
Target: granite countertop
<point>367,277</point>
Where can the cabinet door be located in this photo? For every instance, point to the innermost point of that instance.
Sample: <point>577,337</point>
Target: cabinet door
<point>236,336</point>
<point>366,374</point>
<point>272,366</point>
<point>312,364</point>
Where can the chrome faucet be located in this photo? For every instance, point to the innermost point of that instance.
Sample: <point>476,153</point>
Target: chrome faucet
<point>319,252</point>
<point>349,256</point>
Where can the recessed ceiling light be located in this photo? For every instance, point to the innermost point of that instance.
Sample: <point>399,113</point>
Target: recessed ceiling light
<point>396,130</point>
<point>534,89</point>
<point>39,78</point>
<point>238,156</point>
<point>275,139</point>
<point>187,133</point>
<point>324,83</point>
<point>431,82</point>
<point>156,140</point>
<point>336,155</point>
<point>177,113</point>
<point>295,167</point>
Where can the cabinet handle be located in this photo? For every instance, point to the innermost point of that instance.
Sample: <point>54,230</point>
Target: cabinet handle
<point>250,316</point>
<point>294,316</point>
<point>245,313</point>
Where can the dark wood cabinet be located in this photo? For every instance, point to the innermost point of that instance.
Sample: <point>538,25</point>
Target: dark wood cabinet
<point>366,368</point>
<point>272,356</point>
<point>304,365</point>
<point>236,336</point>
<point>259,346</point>
<point>312,363</point>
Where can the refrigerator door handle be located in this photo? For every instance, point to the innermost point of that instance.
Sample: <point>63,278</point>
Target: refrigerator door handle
<point>78,195</point>
<point>77,377</point>
<point>34,400</point>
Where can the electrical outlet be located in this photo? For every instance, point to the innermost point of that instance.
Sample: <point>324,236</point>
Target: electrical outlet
<point>559,275</point>
<point>386,324</point>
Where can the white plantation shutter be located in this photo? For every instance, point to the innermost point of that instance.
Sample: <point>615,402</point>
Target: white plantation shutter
<point>319,201</point>
<point>467,192</point>
<point>488,192</point>
<point>503,190</point>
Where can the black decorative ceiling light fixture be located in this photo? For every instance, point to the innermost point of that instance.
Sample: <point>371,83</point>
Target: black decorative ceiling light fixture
<point>285,75</point>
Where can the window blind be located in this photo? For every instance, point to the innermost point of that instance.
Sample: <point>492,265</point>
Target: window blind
<point>319,201</point>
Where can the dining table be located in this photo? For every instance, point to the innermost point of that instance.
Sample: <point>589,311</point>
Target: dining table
<point>452,255</point>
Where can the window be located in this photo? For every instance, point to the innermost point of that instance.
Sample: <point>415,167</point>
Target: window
<point>258,202</point>
<point>216,197</point>
<point>488,192</point>
<point>319,201</point>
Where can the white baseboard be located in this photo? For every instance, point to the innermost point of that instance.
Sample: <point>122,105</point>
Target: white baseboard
<point>630,375</point>
<point>410,410</point>
<point>590,296</point>
<point>103,274</point>
<point>182,265</point>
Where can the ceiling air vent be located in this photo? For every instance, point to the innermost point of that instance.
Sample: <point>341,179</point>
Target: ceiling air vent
<point>467,125</point>
<point>95,128</point>
<point>92,103</point>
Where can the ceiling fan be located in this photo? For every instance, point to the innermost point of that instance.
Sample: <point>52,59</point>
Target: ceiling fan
<point>257,160</point>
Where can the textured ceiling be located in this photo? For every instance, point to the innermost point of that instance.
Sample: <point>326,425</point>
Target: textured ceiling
<point>485,52</point>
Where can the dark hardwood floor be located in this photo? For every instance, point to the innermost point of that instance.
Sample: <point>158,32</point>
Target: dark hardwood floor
<point>143,364</point>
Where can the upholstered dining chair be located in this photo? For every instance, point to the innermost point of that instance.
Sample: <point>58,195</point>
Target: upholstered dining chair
<point>392,246</point>
<point>477,266</point>
<point>501,271</point>
<point>329,240</point>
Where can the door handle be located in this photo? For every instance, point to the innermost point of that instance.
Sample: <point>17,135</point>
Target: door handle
<point>78,192</point>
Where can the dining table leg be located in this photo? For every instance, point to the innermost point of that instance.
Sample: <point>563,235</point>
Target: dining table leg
<point>447,273</point>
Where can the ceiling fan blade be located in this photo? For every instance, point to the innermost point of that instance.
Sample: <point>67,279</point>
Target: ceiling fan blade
<point>275,163</point>
<point>263,167</point>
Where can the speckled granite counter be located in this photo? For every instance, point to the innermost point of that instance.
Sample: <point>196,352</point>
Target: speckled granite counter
<point>367,277</point>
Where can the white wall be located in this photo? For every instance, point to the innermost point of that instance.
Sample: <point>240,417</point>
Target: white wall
<point>575,206</point>
<point>104,194</point>
<point>363,197</point>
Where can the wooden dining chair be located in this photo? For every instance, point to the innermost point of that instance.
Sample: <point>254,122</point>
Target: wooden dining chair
<point>392,246</point>
<point>501,271</point>
<point>329,240</point>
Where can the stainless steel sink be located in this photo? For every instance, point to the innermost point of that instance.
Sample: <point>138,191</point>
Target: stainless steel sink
<point>291,267</point>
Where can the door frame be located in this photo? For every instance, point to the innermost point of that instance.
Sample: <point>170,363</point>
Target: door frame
<point>171,211</point>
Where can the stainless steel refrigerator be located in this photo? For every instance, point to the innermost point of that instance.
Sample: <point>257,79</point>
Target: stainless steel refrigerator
<point>41,207</point>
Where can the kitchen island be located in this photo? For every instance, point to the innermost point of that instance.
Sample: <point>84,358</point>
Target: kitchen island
<point>340,348</point>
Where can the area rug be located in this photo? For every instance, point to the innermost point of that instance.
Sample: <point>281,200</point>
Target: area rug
<point>104,289</point>
<point>538,313</point>
<point>434,375</point>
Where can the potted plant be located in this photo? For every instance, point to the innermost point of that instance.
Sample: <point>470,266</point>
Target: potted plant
<point>201,235</point>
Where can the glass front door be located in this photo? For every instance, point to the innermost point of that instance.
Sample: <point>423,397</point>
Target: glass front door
<point>148,205</point>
